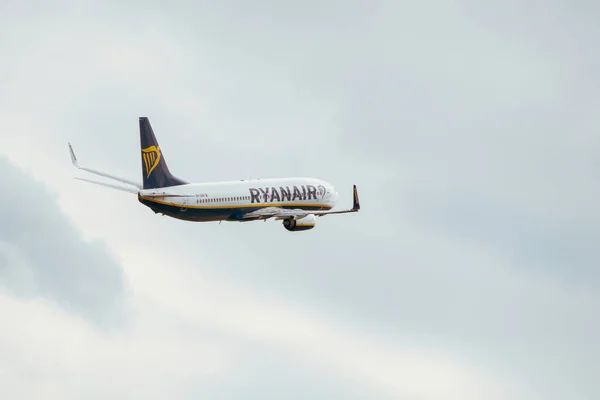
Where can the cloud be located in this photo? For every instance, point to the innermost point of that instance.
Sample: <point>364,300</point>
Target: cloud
<point>170,307</point>
<point>172,326</point>
<point>42,254</point>
<point>52,354</point>
<point>308,338</point>
<point>469,130</point>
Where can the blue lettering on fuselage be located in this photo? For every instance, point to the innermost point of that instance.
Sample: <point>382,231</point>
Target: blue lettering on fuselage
<point>281,194</point>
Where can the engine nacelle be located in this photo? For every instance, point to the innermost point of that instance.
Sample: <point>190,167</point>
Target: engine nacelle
<point>301,224</point>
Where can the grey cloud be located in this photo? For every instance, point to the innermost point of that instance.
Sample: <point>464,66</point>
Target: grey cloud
<point>43,254</point>
<point>492,148</point>
<point>470,132</point>
<point>562,247</point>
<point>278,379</point>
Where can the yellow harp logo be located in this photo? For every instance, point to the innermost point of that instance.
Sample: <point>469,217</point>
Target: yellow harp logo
<point>151,157</point>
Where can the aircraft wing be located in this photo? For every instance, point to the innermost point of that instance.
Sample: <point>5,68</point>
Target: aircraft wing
<point>282,213</point>
<point>116,178</point>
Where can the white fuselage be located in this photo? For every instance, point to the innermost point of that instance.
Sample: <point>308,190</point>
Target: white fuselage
<point>217,201</point>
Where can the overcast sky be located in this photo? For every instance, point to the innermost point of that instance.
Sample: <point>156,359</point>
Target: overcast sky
<point>469,127</point>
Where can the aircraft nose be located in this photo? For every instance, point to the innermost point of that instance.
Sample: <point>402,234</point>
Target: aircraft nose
<point>336,196</point>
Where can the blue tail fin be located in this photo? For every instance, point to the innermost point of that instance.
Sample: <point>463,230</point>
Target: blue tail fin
<point>155,171</point>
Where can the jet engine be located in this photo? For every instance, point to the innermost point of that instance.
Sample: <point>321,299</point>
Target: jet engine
<point>300,224</point>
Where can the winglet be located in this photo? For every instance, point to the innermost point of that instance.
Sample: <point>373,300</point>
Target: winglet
<point>73,158</point>
<point>93,171</point>
<point>356,205</point>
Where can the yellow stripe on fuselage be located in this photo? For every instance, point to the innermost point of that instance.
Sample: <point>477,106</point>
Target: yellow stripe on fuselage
<point>250,205</point>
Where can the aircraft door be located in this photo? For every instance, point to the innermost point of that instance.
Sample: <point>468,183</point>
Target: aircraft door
<point>184,203</point>
<point>327,194</point>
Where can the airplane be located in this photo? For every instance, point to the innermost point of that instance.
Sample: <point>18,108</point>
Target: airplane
<point>295,201</point>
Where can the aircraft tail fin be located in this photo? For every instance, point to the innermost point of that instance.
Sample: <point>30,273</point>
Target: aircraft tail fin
<point>155,171</point>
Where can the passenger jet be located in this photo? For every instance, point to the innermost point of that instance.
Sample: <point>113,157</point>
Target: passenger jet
<point>296,201</point>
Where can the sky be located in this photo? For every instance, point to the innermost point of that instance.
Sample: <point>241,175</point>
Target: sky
<point>469,127</point>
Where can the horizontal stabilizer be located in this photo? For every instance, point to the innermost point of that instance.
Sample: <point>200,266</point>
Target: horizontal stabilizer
<point>122,188</point>
<point>164,194</point>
